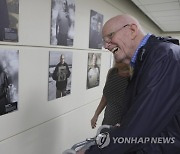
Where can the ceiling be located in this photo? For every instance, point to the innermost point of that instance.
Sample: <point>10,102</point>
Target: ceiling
<point>164,13</point>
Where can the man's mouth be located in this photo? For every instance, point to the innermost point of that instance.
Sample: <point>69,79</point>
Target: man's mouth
<point>114,50</point>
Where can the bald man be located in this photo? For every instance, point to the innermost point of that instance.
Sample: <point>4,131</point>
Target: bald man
<point>151,120</point>
<point>61,75</point>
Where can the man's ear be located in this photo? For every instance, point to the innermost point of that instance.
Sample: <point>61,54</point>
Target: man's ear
<point>134,30</point>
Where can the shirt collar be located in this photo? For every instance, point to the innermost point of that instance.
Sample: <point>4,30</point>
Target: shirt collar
<point>142,43</point>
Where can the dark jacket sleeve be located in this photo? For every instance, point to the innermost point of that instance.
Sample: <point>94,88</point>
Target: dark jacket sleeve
<point>155,103</point>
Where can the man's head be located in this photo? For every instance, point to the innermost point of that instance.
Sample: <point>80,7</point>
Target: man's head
<point>65,5</point>
<point>62,59</point>
<point>122,34</point>
<point>94,22</point>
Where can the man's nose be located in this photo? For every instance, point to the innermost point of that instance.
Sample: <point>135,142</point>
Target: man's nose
<point>107,45</point>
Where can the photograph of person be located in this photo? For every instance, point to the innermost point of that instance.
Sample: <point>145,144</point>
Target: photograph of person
<point>9,66</point>
<point>95,30</point>
<point>93,71</point>
<point>9,17</point>
<point>60,67</point>
<point>62,22</point>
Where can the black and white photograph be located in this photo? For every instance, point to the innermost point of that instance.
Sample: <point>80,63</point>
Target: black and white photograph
<point>95,30</point>
<point>62,22</point>
<point>9,20</point>
<point>93,70</point>
<point>9,68</point>
<point>60,74</point>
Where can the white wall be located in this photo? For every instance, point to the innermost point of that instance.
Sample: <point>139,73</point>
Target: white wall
<point>39,126</point>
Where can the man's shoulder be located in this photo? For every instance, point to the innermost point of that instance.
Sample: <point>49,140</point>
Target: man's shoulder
<point>161,48</point>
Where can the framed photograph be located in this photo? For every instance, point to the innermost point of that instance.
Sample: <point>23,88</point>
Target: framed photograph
<point>9,68</point>
<point>60,68</point>
<point>95,30</point>
<point>62,22</point>
<point>93,70</point>
<point>9,17</point>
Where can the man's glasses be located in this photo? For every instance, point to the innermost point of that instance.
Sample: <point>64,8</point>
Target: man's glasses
<point>109,37</point>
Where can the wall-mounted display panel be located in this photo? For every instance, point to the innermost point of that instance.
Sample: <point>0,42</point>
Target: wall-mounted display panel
<point>93,71</point>
<point>9,20</point>
<point>60,68</point>
<point>9,64</point>
<point>95,30</point>
<point>62,22</point>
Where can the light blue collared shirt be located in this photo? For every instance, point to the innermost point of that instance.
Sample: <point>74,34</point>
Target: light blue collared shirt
<point>143,42</point>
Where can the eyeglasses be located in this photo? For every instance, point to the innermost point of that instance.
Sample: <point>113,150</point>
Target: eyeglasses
<point>108,38</point>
